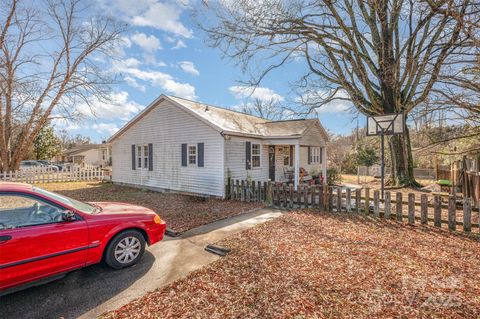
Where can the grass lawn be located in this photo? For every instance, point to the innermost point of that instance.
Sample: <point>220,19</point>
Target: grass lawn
<point>305,265</point>
<point>181,212</point>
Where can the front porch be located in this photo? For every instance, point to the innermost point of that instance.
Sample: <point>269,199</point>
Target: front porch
<point>296,163</point>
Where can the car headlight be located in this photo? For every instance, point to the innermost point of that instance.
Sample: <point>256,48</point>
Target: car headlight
<point>157,219</point>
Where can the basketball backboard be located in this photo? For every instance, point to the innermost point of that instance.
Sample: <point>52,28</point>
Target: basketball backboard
<point>389,123</point>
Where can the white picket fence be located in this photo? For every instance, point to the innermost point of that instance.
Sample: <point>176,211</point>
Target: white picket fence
<point>32,176</point>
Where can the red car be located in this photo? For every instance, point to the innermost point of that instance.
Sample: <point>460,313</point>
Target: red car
<point>43,234</point>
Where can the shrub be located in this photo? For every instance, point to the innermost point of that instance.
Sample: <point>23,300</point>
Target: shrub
<point>333,176</point>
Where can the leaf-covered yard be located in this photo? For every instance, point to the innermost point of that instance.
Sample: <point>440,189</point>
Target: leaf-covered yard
<point>181,212</point>
<point>305,265</point>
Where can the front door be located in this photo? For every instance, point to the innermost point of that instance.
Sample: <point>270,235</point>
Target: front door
<point>271,163</point>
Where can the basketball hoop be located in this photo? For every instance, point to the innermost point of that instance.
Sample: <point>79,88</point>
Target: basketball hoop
<point>387,124</point>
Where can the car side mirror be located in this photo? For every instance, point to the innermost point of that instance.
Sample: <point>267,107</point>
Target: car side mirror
<point>68,216</point>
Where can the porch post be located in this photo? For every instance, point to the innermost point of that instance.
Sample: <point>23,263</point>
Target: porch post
<point>296,172</point>
<point>324,168</point>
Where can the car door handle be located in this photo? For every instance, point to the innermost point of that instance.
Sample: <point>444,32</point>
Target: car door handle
<point>5,238</point>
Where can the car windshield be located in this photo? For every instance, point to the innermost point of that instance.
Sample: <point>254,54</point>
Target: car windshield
<point>84,207</point>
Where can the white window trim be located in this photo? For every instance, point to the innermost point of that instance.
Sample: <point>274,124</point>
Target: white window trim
<point>289,156</point>
<point>140,157</point>
<point>196,155</point>
<point>259,155</point>
<point>315,155</point>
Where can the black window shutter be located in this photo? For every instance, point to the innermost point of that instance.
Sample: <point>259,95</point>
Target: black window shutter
<point>150,157</point>
<point>248,152</point>
<point>321,154</point>
<point>291,155</point>
<point>184,154</point>
<point>309,153</point>
<point>200,147</point>
<point>133,157</point>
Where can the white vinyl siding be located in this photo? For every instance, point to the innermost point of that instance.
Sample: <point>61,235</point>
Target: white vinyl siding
<point>169,126</point>
<point>235,166</point>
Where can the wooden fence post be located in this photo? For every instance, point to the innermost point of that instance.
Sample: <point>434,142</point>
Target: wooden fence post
<point>388,205</point>
<point>358,198</point>
<point>330,199</point>
<point>321,198</point>
<point>348,204</point>
<point>437,211</point>
<point>452,213</point>
<point>339,199</point>
<point>268,192</point>
<point>291,196</point>
<point>305,190</point>
<point>242,190</point>
<point>367,201</point>
<point>399,204</point>
<point>376,203</point>
<point>467,215</point>
<point>411,208</point>
<point>424,209</point>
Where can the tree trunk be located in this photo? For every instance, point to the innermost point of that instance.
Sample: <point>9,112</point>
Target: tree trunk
<point>402,160</point>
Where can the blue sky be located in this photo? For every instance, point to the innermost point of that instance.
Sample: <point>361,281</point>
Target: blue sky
<point>163,52</point>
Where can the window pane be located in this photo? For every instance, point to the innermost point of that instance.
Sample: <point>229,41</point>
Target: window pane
<point>20,211</point>
<point>192,155</point>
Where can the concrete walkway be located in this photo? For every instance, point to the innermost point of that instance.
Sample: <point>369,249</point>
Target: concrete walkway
<point>91,291</point>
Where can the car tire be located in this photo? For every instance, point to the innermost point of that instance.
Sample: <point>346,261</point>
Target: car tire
<point>125,249</point>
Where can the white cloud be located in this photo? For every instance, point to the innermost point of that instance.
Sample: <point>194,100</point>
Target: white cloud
<point>133,83</point>
<point>117,106</point>
<point>162,16</point>
<point>188,67</point>
<point>151,59</point>
<point>109,128</point>
<point>179,45</point>
<point>157,78</point>
<point>261,93</point>
<point>149,43</point>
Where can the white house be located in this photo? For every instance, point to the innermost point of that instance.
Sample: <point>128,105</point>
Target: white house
<point>180,145</point>
<point>89,154</point>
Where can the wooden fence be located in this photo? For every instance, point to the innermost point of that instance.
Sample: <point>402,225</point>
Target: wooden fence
<point>439,211</point>
<point>41,175</point>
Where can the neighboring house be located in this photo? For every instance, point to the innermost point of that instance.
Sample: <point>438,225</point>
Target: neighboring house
<point>89,154</point>
<point>185,146</point>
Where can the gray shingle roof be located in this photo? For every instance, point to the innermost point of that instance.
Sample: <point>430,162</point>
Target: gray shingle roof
<point>233,122</point>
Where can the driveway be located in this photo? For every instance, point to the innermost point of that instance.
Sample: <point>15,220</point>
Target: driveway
<point>91,291</point>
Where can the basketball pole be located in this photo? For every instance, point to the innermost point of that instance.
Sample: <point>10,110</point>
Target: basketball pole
<point>382,167</point>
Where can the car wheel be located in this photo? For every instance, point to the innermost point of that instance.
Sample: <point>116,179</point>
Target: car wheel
<point>125,249</point>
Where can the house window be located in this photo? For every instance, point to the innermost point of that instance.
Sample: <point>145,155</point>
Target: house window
<point>286,156</point>
<point>145,156</point>
<point>142,156</point>
<point>192,155</point>
<point>315,155</point>
<point>256,155</point>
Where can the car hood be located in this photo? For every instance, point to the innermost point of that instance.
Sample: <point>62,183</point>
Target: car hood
<point>122,208</point>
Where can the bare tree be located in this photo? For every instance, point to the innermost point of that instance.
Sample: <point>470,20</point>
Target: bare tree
<point>384,56</point>
<point>270,110</point>
<point>48,64</point>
